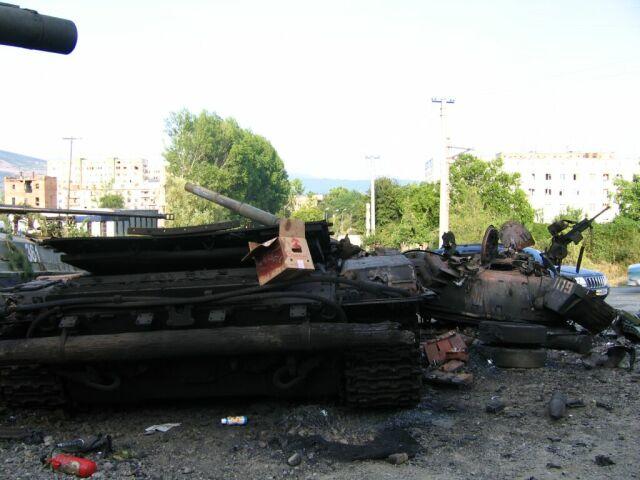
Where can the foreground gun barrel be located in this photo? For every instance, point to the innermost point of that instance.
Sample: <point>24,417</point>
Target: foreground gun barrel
<point>20,27</point>
<point>248,211</point>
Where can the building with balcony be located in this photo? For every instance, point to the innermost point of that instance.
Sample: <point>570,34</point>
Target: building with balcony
<point>32,190</point>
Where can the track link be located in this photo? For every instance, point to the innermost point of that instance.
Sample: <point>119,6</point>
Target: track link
<point>383,377</point>
<point>30,386</point>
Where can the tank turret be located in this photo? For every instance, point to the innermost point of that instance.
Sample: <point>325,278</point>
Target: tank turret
<point>244,209</point>
<point>21,27</point>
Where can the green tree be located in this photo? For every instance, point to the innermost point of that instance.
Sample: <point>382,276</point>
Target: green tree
<point>308,213</point>
<point>347,209</point>
<point>628,197</point>
<point>499,191</point>
<point>111,200</point>
<point>388,201</point>
<point>218,154</point>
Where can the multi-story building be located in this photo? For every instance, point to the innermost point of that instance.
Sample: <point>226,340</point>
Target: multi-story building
<point>555,182</point>
<point>139,182</point>
<point>31,190</point>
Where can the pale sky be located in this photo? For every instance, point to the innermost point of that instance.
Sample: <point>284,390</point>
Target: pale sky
<point>329,82</point>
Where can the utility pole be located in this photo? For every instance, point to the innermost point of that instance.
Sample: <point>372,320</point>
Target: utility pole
<point>444,168</point>
<point>70,140</point>
<point>372,214</point>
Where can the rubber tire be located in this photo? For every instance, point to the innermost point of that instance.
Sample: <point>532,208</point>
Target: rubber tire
<point>505,333</point>
<point>573,341</point>
<point>514,357</point>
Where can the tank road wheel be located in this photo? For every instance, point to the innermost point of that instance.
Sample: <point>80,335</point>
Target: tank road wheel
<point>503,333</point>
<point>514,357</point>
<point>383,377</point>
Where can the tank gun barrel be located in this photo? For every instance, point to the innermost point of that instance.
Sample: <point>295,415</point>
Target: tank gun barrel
<point>21,27</point>
<point>244,209</point>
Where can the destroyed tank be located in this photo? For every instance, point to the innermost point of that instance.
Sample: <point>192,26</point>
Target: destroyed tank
<point>182,313</point>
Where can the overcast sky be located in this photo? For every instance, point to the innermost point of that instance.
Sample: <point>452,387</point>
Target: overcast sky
<point>329,82</point>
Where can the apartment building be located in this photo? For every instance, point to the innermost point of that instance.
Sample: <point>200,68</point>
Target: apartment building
<point>554,182</point>
<point>138,181</point>
<point>31,190</point>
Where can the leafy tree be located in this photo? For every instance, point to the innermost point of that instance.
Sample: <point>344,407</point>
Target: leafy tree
<point>218,154</point>
<point>296,188</point>
<point>388,201</point>
<point>309,213</point>
<point>347,209</point>
<point>111,200</point>
<point>628,197</point>
<point>499,191</point>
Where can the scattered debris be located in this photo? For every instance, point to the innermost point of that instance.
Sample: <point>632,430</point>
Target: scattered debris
<point>575,403</point>
<point>398,458</point>
<point>387,442</point>
<point>447,355</point>
<point>240,420</point>
<point>87,444</point>
<point>495,405</point>
<point>603,461</point>
<point>163,427</point>
<point>294,460</point>
<point>552,465</point>
<point>444,378</point>
<point>558,405</point>
<point>450,346</point>
<point>78,466</point>
<point>607,406</point>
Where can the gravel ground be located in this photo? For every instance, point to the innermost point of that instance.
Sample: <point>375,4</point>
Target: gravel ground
<point>458,438</point>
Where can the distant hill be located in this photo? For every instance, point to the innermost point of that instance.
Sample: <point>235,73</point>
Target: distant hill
<point>323,185</point>
<point>11,164</point>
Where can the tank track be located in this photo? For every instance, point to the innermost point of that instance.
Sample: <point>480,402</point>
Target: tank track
<point>30,386</point>
<point>383,377</point>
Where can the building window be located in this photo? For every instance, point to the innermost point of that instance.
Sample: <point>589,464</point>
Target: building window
<point>37,201</point>
<point>577,192</point>
<point>533,176</point>
<point>547,191</point>
<point>547,176</point>
<point>575,176</point>
<point>37,186</point>
<point>13,200</point>
<point>605,177</point>
<point>532,191</point>
<point>27,186</point>
<point>560,193</point>
<point>13,186</point>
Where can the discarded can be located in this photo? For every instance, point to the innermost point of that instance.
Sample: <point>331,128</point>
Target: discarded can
<point>80,467</point>
<point>242,420</point>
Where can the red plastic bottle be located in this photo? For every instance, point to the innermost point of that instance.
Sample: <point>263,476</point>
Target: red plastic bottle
<point>80,467</point>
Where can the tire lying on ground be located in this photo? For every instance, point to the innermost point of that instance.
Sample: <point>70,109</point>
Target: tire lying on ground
<point>566,340</point>
<point>503,333</point>
<point>514,357</point>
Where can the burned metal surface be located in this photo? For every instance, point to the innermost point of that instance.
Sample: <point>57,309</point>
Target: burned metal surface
<point>181,315</point>
<point>168,316</point>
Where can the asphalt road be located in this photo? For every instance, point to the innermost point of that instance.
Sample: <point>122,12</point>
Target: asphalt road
<point>626,298</point>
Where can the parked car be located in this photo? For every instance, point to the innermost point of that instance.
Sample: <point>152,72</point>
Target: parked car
<point>633,275</point>
<point>590,279</point>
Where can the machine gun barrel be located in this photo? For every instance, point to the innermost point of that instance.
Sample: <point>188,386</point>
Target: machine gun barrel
<point>244,209</point>
<point>20,27</point>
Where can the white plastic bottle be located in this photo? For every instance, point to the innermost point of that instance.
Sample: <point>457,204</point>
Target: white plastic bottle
<point>241,420</point>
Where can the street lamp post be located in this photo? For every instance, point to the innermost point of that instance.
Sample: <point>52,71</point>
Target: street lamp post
<point>70,140</point>
<point>372,215</point>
